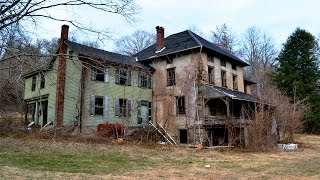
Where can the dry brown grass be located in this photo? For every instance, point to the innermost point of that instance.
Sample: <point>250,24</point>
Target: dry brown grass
<point>179,163</point>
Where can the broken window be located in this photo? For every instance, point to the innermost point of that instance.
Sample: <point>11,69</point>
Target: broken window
<point>100,74</point>
<point>99,105</point>
<point>144,80</point>
<point>180,105</point>
<point>123,76</point>
<point>234,66</point>
<point>171,77</point>
<point>235,82</point>
<point>211,74</point>
<point>122,107</point>
<point>33,85</point>
<point>223,79</point>
<point>223,62</point>
<point>42,81</point>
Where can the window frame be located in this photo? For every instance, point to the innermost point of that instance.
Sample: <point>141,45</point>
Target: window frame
<point>223,78</point>
<point>144,80</point>
<point>235,82</point>
<point>211,75</point>
<point>33,83</point>
<point>99,106</point>
<point>123,76</point>
<point>234,66</point>
<point>180,105</point>
<point>42,81</point>
<point>223,62</point>
<point>171,72</point>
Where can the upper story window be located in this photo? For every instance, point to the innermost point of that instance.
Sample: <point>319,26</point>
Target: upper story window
<point>169,60</point>
<point>211,59</point>
<point>144,80</point>
<point>123,76</point>
<point>99,74</point>
<point>42,81</point>
<point>223,79</point>
<point>33,85</point>
<point>180,105</point>
<point>223,62</point>
<point>234,66</point>
<point>211,74</point>
<point>235,82</point>
<point>171,77</point>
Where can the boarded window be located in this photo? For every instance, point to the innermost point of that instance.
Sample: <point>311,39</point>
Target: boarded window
<point>171,77</point>
<point>144,80</point>
<point>235,82</point>
<point>223,62</point>
<point>42,82</point>
<point>211,75</point>
<point>223,79</point>
<point>33,85</point>
<point>180,105</point>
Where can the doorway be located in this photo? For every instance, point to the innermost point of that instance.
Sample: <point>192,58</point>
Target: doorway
<point>183,133</point>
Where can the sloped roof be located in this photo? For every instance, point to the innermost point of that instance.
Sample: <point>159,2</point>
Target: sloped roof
<point>106,56</point>
<point>183,41</point>
<point>211,92</point>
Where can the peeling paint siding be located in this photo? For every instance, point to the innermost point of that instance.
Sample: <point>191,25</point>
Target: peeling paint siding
<point>165,96</point>
<point>49,89</point>
<point>72,90</point>
<point>113,91</point>
<point>229,73</point>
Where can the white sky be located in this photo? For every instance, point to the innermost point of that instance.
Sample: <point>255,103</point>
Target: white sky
<point>279,18</point>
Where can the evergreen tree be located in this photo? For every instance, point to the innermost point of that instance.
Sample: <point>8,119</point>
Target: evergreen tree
<point>297,73</point>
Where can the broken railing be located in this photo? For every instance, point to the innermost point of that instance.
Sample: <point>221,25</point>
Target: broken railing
<point>222,120</point>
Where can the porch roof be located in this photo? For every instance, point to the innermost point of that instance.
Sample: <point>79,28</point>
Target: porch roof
<point>212,92</point>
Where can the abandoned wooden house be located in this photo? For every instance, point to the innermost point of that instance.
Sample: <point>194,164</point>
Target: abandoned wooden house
<point>193,88</point>
<point>85,86</point>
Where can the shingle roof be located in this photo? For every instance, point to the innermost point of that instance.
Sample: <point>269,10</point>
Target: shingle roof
<point>217,92</point>
<point>99,54</point>
<point>183,41</point>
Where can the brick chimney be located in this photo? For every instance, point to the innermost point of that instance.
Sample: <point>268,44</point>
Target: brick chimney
<point>160,38</point>
<point>61,72</point>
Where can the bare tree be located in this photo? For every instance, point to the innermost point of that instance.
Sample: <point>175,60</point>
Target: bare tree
<point>196,30</point>
<point>225,38</point>
<point>134,43</point>
<point>258,49</point>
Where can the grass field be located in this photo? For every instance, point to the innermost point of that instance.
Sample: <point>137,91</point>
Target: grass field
<point>46,159</point>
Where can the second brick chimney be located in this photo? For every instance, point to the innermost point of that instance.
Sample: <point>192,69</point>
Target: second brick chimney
<point>61,76</point>
<point>160,38</point>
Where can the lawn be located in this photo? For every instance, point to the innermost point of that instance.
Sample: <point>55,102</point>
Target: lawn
<point>25,158</point>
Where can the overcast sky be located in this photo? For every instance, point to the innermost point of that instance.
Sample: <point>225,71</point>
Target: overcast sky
<point>279,18</point>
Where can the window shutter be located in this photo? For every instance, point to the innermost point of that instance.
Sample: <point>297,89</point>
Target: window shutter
<point>106,75</point>
<point>93,74</point>
<point>129,77</point>
<point>150,110</point>
<point>117,75</point>
<point>105,106</point>
<point>128,108</point>
<point>139,79</point>
<point>139,113</point>
<point>117,107</point>
<point>92,104</point>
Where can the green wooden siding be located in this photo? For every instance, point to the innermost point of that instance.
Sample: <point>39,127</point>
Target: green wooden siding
<point>114,91</point>
<point>49,89</point>
<point>72,91</point>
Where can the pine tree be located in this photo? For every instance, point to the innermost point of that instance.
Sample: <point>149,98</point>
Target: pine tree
<point>297,73</point>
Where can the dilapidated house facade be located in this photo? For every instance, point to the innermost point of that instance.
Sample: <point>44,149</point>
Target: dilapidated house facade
<point>84,86</point>
<point>191,87</point>
<point>199,89</point>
